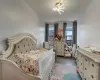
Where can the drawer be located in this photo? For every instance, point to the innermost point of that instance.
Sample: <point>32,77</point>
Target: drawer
<point>86,61</point>
<point>78,57</point>
<point>93,76</point>
<point>93,65</point>
<point>60,53</point>
<point>77,64</point>
<point>81,57</point>
<point>86,77</point>
<point>86,68</point>
<point>86,73</point>
<point>81,68</point>
<point>81,65</point>
<point>60,48</point>
<point>94,71</point>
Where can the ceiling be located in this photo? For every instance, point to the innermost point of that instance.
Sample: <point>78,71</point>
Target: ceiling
<point>44,9</point>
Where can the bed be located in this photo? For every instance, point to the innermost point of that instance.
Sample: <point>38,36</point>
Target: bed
<point>24,43</point>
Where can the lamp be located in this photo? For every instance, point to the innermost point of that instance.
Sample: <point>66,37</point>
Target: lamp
<point>59,6</point>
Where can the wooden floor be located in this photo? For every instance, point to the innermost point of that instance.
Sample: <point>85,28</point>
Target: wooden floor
<point>64,66</point>
<point>66,61</point>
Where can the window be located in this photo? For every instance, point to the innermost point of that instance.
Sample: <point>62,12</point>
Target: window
<point>51,31</point>
<point>69,34</point>
<point>69,27</point>
<point>51,34</point>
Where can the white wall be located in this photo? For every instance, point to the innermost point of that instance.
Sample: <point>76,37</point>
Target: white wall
<point>89,26</point>
<point>16,16</point>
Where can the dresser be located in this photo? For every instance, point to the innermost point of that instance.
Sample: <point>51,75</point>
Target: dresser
<point>88,64</point>
<point>59,47</point>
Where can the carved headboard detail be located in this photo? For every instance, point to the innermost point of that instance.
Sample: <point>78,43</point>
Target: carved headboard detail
<point>20,43</point>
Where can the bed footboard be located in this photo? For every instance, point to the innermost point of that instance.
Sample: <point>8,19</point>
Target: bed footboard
<point>45,65</point>
<point>11,72</point>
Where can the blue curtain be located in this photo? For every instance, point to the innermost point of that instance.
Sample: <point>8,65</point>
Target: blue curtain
<point>55,28</point>
<point>75,32</point>
<point>46,32</point>
<point>64,29</point>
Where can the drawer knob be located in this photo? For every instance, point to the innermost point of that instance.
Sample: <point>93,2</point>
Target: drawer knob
<point>85,68</point>
<point>84,78</point>
<point>85,59</point>
<point>92,65</point>
<point>81,63</point>
<point>92,76</point>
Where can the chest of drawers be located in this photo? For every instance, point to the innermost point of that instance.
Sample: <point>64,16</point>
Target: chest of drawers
<point>88,65</point>
<point>59,47</point>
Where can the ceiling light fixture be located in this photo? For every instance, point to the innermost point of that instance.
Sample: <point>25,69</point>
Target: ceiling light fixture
<point>59,6</point>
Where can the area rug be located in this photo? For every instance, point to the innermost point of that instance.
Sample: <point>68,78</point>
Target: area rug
<point>71,76</point>
<point>64,72</point>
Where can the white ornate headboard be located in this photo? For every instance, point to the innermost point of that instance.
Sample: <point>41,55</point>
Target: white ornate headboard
<point>20,43</point>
